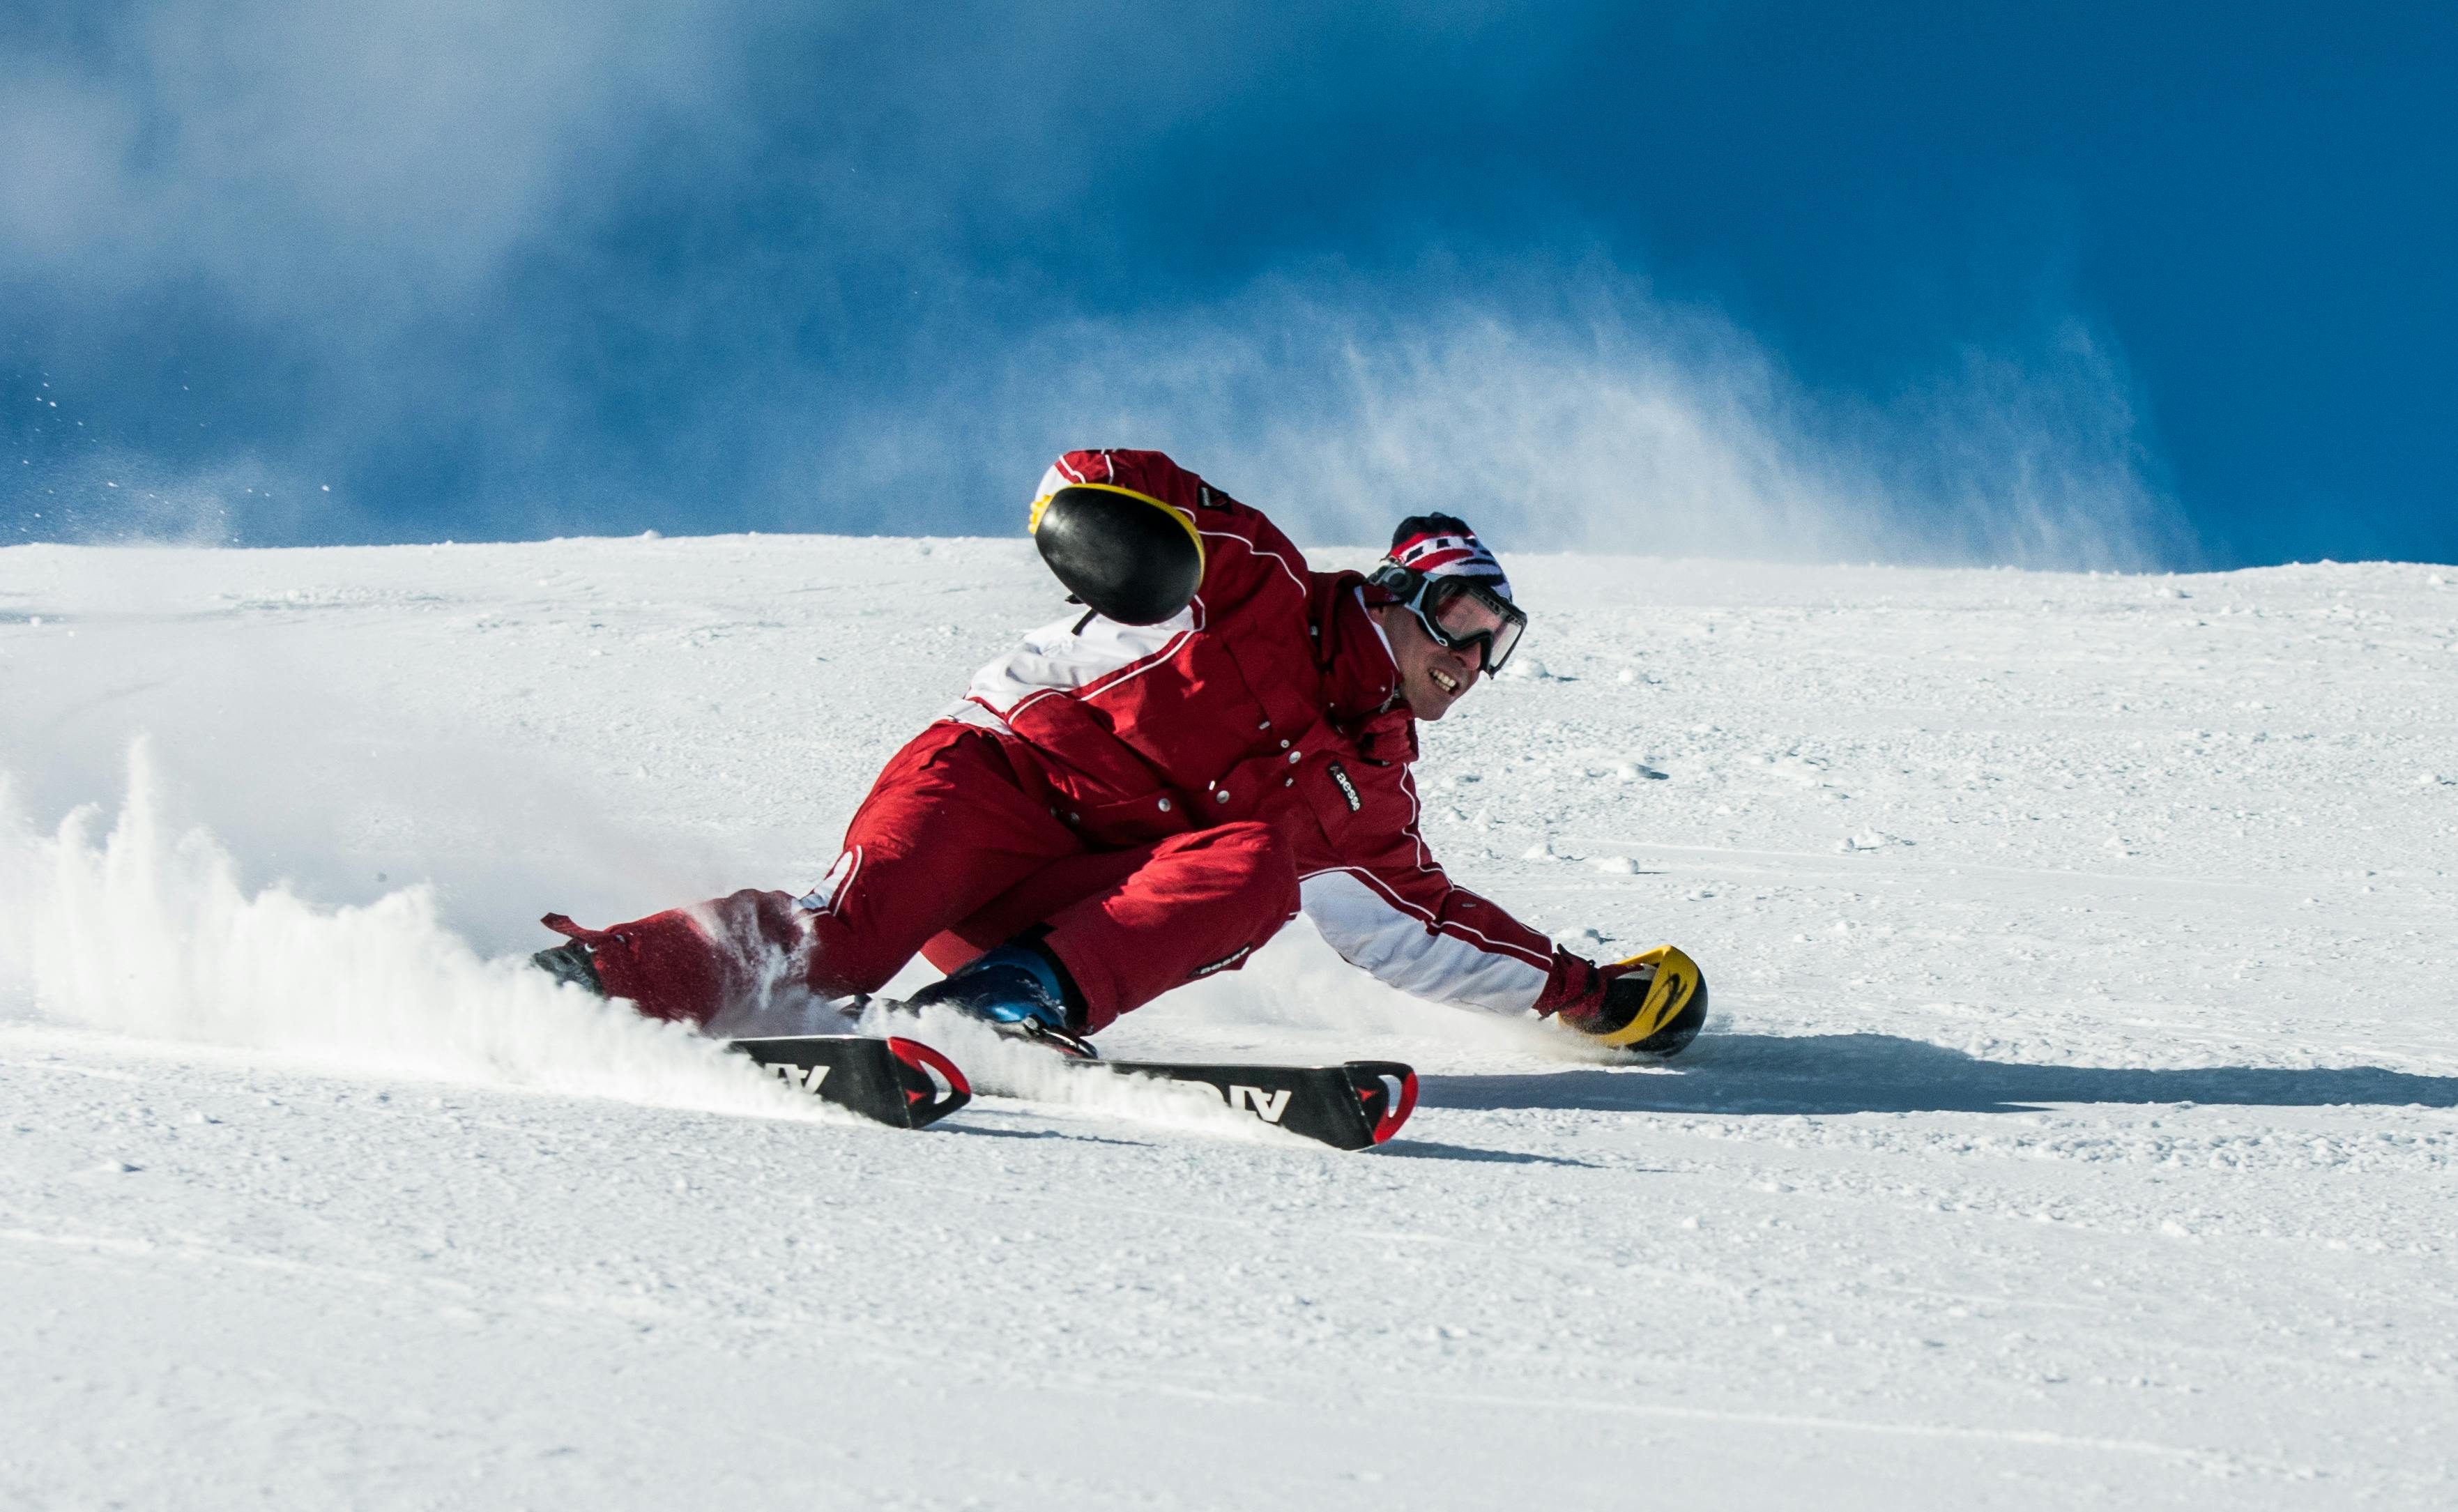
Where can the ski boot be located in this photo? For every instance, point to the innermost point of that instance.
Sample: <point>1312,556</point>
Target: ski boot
<point>1020,990</point>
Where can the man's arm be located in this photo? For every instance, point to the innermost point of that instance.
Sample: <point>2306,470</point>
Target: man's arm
<point>1246,561</point>
<point>1381,901</point>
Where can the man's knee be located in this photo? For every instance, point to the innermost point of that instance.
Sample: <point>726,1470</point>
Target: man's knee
<point>1251,858</point>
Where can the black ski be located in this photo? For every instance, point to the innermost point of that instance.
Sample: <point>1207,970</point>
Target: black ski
<point>1352,1106</point>
<point>896,1081</point>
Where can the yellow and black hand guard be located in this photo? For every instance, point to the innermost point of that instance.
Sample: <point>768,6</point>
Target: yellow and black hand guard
<point>1656,1007</point>
<point>1125,556</point>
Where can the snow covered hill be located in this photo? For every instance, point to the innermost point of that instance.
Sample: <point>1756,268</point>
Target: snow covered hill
<point>2078,1125</point>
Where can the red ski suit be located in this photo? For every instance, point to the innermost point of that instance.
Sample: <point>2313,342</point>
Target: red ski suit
<point>1160,799</point>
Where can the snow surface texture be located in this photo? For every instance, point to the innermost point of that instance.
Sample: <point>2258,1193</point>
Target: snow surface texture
<point>2076,1128</point>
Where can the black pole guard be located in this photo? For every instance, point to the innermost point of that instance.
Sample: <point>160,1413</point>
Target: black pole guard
<point>1127,556</point>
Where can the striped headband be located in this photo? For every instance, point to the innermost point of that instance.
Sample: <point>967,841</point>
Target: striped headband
<point>1440,545</point>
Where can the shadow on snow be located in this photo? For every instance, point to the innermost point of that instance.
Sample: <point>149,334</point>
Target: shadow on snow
<point>1432,1149</point>
<point>1885,1073</point>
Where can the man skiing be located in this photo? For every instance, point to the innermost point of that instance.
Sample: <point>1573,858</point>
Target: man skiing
<point>1142,796</point>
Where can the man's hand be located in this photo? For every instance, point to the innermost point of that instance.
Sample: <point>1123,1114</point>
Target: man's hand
<point>1653,1003</point>
<point>1582,993</point>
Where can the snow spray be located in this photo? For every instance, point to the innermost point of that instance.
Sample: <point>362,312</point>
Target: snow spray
<point>145,929</point>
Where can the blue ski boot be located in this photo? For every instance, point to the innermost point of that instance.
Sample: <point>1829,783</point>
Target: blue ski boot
<point>1019,991</point>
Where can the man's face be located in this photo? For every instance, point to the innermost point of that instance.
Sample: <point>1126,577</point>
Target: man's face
<point>1432,676</point>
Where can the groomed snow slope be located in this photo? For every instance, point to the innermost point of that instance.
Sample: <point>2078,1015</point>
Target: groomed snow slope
<point>2077,1126</point>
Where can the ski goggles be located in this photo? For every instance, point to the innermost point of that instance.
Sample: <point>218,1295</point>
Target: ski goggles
<point>1458,612</point>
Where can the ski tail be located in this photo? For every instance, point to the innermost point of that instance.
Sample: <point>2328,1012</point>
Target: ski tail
<point>895,1081</point>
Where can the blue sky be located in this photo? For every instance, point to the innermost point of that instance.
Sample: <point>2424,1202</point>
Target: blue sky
<point>2070,285</point>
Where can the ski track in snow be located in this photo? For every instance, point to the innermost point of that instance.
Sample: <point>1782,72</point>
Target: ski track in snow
<point>2076,1126</point>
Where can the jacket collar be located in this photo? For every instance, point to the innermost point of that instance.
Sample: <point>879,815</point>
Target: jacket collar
<point>1360,680</point>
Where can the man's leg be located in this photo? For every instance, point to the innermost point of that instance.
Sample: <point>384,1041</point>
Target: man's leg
<point>1199,903</point>
<point>947,826</point>
<point>1031,902</point>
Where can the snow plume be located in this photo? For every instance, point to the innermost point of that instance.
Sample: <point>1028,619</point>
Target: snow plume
<point>1577,411</point>
<point>527,269</point>
<point>146,929</point>
<point>119,496</point>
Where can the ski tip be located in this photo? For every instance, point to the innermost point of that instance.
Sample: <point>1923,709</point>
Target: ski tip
<point>933,1085</point>
<point>1387,1094</point>
<point>1396,1114</point>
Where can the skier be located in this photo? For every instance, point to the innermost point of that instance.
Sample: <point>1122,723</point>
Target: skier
<point>1139,797</point>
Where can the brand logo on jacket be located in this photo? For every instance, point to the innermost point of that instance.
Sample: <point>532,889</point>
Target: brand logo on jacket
<point>1224,963</point>
<point>1347,789</point>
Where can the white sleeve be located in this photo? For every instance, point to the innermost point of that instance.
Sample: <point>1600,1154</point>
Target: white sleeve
<point>1071,656</point>
<point>1374,929</point>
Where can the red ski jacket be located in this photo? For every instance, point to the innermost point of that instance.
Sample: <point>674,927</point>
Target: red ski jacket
<point>1272,697</point>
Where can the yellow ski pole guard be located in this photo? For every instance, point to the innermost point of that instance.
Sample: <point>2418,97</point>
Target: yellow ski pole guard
<point>1675,1004</point>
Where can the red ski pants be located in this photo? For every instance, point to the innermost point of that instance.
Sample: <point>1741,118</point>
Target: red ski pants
<point>949,856</point>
